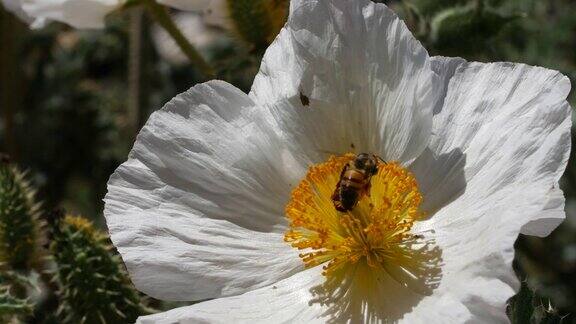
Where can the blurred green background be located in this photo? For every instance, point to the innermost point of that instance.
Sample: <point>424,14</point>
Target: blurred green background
<point>72,102</point>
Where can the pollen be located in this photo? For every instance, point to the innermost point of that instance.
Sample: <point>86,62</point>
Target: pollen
<point>374,233</point>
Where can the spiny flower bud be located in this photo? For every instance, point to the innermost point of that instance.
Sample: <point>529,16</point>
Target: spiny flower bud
<point>94,287</point>
<point>20,244</point>
<point>257,22</point>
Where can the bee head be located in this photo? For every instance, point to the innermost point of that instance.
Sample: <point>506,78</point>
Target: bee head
<point>367,162</point>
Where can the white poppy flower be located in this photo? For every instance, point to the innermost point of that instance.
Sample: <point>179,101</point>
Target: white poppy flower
<point>15,7</point>
<point>215,12</point>
<point>187,5</point>
<point>76,13</point>
<point>222,188</point>
<point>87,14</point>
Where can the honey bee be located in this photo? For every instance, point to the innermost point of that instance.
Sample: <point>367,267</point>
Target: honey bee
<point>354,181</point>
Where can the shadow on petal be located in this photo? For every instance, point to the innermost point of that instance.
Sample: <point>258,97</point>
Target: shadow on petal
<point>362,293</point>
<point>441,178</point>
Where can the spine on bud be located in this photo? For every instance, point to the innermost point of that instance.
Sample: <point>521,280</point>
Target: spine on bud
<point>12,307</point>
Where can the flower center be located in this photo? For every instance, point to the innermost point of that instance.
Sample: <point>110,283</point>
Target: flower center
<point>375,233</point>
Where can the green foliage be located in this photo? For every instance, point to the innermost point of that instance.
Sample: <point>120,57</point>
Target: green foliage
<point>93,285</point>
<point>545,37</point>
<point>466,29</point>
<point>19,224</point>
<point>70,116</point>
<point>257,22</point>
<point>73,79</point>
<point>457,27</point>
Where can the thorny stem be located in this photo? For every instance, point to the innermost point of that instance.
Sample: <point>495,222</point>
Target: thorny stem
<point>134,64</point>
<point>162,17</point>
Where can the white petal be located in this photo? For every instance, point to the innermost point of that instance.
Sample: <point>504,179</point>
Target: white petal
<point>287,301</point>
<point>444,68</point>
<point>369,83</point>
<point>197,210</point>
<point>439,172</point>
<point>515,105</point>
<point>550,217</point>
<point>214,12</point>
<point>77,13</point>
<point>501,140</point>
<point>296,300</point>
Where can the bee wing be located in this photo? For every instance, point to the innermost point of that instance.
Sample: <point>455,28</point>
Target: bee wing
<point>336,194</point>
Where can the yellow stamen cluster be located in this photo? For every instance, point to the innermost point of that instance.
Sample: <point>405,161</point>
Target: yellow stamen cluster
<point>374,232</point>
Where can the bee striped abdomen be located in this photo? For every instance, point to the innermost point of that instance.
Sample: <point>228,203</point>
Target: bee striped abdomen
<point>349,190</point>
<point>354,178</point>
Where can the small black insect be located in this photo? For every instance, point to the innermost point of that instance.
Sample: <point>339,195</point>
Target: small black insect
<point>304,100</point>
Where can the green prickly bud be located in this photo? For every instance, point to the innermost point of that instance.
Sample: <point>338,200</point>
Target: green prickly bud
<point>257,22</point>
<point>94,287</point>
<point>528,307</point>
<point>131,3</point>
<point>20,244</point>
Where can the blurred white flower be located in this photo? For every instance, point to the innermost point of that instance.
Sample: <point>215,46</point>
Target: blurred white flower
<point>15,7</point>
<point>218,15</point>
<point>92,13</point>
<point>194,28</point>
<point>222,188</point>
<point>76,13</point>
<point>215,12</point>
<point>187,5</point>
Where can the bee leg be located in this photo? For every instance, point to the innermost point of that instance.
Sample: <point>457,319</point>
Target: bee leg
<point>367,189</point>
<point>336,194</point>
<point>339,207</point>
<point>336,199</point>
